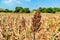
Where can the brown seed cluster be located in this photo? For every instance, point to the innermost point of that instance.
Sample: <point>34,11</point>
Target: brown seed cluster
<point>23,22</point>
<point>36,21</point>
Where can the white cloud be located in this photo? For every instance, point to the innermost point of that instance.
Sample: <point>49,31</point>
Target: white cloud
<point>11,1</point>
<point>8,1</point>
<point>18,2</point>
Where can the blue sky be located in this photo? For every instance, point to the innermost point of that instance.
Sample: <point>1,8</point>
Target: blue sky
<point>32,4</point>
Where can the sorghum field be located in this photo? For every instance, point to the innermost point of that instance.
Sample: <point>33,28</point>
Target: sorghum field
<point>17,26</point>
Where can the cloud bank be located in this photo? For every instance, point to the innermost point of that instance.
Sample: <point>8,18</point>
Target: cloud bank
<point>9,2</point>
<point>14,1</point>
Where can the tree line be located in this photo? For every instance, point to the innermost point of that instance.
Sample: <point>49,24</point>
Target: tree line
<point>27,10</point>
<point>17,9</point>
<point>49,10</point>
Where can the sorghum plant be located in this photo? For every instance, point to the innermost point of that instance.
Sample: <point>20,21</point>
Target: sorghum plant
<point>23,23</point>
<point>23,27</point>
<point>36,22</point>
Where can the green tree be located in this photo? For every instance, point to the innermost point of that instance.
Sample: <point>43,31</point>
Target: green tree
<point>49,10</point>
<point>18,9</point>
<point>43,10</point>
<point>26,10</point>
<point>57,9</point>
<point>1,10</point>
<point>22,11</point>
<point>6,10</point>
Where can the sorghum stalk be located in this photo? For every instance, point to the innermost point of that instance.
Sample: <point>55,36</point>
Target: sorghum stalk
<point>36,22</point>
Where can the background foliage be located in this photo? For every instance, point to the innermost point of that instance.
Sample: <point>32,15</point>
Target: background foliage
<point>27,10</point>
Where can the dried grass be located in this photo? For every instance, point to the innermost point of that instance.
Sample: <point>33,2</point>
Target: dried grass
<point>16,26</point>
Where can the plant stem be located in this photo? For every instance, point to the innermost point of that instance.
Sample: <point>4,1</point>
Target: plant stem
<point>33,38</point>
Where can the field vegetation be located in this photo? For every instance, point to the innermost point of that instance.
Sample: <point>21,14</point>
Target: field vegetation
<point>18,26</point>
<point>25,24</point>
